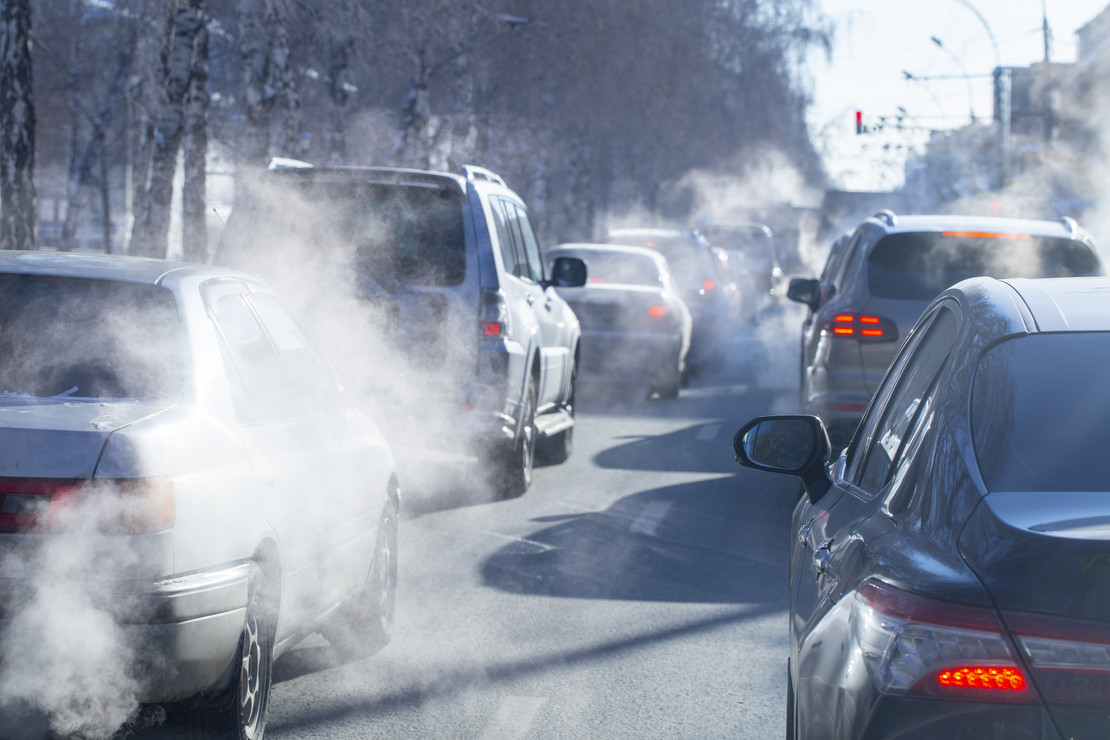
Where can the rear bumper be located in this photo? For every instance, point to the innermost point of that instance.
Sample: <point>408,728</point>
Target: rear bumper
<point>639,356</point>
<point>177,636</point>
<point>190,624</point>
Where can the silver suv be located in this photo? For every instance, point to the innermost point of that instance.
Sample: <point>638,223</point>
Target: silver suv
<point>879,279</point>
<point>458,333</point>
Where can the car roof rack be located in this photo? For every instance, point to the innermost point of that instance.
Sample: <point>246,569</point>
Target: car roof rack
<point>280,163</point>
<point>474,172</point>
<point>1070,224</point>
<point>888,216</point>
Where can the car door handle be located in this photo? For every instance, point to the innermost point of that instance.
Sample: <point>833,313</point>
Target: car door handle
<point>821,559</point>
<point>530,298</point>
<point>803,534</point>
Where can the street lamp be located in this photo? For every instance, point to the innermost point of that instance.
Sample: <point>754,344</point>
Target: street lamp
<point>967,78</point>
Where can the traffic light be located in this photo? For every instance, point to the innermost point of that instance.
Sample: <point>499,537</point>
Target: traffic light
<point>859,122</point>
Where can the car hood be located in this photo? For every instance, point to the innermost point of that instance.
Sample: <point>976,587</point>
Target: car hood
<point>61,438</point>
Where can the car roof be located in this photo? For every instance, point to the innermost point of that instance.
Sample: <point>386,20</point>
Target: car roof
<point>1071,304</point>
<point>100,266</point>
<point>614,249</point>
<point>656,233</point>
<point>895,223</point>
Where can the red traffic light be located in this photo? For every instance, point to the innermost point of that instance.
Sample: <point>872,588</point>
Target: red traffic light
<point>859,122</point>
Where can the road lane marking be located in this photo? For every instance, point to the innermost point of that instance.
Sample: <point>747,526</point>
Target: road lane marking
<point>514,718</point>
<point>708,432</point>
<point>651,517</point>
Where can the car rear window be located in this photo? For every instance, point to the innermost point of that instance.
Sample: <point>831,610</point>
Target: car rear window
<point>604,267</point>
<point>84,338</point>
<point>918,266</point>
<point>1040,405</point>
<point>395,235</point>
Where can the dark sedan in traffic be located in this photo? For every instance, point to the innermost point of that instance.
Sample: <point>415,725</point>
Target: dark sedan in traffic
<point>949,569</point>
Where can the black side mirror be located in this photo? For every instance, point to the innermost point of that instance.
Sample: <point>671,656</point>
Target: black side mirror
<point>806,291</point>
<point>793,444</point>
<point>568,272</point>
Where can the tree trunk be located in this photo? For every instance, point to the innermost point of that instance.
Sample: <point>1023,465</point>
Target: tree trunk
<point>152,229</point>
<point>194,236</point>
<point>18,208</point>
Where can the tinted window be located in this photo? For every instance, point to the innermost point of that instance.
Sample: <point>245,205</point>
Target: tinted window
<point>922,364</point>
<point>81,338</point>
<point>603,267</point>
<point>410,235</point>
<point>1040,406</point>
<point>919,266</point>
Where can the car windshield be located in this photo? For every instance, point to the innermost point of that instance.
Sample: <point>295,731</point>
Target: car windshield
<point>753,243</point>
<point>683,256</point>
<point>395,235</point>
<point>626,269</point>
<point>918,266</point>
<point>1039,410</point>
<point>81,338</point>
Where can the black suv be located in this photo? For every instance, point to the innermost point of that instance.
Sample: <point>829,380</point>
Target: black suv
<point>432,290</point>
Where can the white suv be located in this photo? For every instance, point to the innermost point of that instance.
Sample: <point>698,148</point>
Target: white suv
<point>448,269</point>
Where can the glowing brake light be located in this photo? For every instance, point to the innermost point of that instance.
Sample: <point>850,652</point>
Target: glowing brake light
<point>984,235</point>
<point>709,285</point>
<point>862,327</point>
<point>1002,678</point>
<point>491,329</point>
<point>657,311</point>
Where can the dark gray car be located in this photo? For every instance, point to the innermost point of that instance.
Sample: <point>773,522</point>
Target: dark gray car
<point>878,280</point>
<point>949,569</point>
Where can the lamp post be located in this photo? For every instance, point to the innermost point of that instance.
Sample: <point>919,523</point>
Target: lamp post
<point>1001,100</point>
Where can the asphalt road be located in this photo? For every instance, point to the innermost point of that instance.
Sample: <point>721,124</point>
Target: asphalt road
<point>636,591</point>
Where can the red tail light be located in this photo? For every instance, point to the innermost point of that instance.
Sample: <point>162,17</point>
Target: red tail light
<point>985,235</point>
<point>928,647</point>
<point>494,317</point>
<point>133,506</point>
<point>862,327</point>
<point>709,285</point>
<point>657,311</point>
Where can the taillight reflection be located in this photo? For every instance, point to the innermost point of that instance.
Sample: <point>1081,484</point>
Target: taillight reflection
<point>863,327</point>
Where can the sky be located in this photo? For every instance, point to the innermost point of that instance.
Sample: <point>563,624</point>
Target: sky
<point>876,42</point>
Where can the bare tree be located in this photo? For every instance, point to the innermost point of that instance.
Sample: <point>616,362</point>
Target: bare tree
<point>150,234</point>
<point>194,211</point>
<point>18,209</point>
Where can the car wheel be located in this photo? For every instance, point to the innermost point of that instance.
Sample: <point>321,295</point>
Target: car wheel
<point>365,626</point>
<point>668,389</point>
<point>556,449</point>
<point>513,471</point>
<point>239,711</point>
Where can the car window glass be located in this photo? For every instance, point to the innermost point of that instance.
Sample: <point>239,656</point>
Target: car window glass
<point>531,244</point>
<point>505,238</point>
<point>84,338</point>
<point>262,392</point>
<point>308,375</point>
<point>1039,407</point>
<point>917,367</point>
<point>840,269</point>
<point>918,266</point>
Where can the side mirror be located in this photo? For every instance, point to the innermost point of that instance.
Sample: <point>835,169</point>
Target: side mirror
<point>568,272</point>
<point>790,444</point>
<point>806,291</point>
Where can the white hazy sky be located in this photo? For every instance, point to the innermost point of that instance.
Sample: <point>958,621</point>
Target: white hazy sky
<point>877,40</point>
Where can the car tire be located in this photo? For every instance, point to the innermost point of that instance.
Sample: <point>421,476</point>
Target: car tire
<point>669,388</point>
<point>556,449</point>
<point>512,468</point>
<point>239,711</point>
<point>365,625</point>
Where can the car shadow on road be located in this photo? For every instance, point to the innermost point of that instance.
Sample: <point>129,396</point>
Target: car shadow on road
<point>702,542</point>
